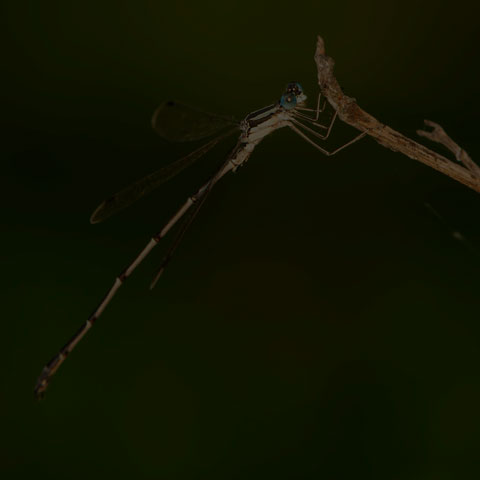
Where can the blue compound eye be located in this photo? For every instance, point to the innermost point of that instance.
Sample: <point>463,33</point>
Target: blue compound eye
<point>288,101</point>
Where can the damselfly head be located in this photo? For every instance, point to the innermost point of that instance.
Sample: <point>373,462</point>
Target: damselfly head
<point>293,96</point>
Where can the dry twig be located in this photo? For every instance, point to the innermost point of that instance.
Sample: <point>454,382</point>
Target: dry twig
<point>351,113</point>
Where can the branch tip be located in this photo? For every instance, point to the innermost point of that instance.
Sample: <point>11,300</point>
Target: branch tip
<point>320,46</point>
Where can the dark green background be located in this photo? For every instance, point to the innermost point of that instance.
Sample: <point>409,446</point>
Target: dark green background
<point>318,321</point>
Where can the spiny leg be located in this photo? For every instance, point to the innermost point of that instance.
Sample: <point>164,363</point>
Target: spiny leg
<point>325,152</point>
<point>53,365</point>
<point>313,132</point>
<point>296,112</point>
<point>317,110</point>
<point>306,118</point>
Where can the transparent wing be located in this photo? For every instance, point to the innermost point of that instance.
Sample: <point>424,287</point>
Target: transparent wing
<point>145,185</point>
<point>177,122</point>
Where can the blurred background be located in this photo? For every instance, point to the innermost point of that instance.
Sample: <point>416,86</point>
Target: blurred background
<point>320,319</point>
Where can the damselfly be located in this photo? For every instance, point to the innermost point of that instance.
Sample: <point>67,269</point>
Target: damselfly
<point>177,122</point>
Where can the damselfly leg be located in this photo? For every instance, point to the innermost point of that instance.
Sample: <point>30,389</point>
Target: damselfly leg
<point>325,152</point>
<point>313,132</point>
<point>318,110</point>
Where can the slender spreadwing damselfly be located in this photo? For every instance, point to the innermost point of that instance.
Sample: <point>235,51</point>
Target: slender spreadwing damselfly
<point>177,122</point>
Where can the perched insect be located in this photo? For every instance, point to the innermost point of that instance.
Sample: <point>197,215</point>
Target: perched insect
<point>177,122</point>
